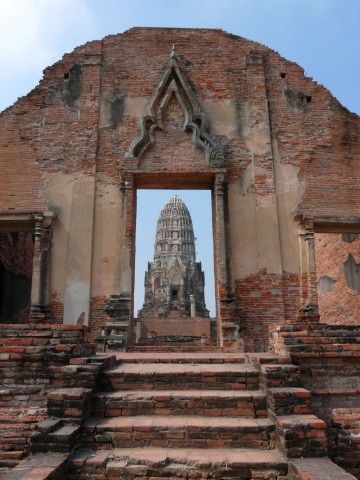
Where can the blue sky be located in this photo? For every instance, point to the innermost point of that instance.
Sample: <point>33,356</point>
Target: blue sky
<point>323,36</point>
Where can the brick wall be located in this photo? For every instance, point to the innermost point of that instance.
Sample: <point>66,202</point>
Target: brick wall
<point>80,121</point>
<point>328,357</point>
<point>31,358</point>
<point>337,257</point>
<point>198,327</point>
<point>266,300</point>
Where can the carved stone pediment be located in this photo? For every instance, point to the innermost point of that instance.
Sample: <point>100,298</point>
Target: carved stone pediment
<point>175,84</point>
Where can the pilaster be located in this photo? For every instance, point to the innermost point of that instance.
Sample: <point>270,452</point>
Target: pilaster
<point>229,327</point>
<point>310,309</point>
<point>267,229</point>
<point>78,282</point>
<point>40,286</point>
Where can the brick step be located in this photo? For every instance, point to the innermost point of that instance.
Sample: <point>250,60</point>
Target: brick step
<point>73,375</point>
<point>184,463</point>
<point>99,359</point>
<point>21,414</point>
<point>180,357</point>
<point>320,340</point>
<point>40,329</point>
<point>317,469</point>
<point>39,467</point>
<point>61,439</point>
<point>300,436</point>
<point>309,328</point>
<point>9,459</point>
<point>32,350</point>
<point>30,402</point>
<point>82,369</point>
<point>159,376</point>
<point>335,331</point>
<point>40,340</point>
<point>68,402</point>
<point>289,400</point>
<point>344,437</point>
<point>260,358</point>
<point>342,349</point>
<point>173,347</point>
<point>14,436</point>
<point>179,431</point>
<point>4,471</point>
<point>280,375</point>
<point>16,427</point>
<point>209,403</point>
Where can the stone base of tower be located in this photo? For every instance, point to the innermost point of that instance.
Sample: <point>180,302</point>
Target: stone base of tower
<point>175,329</point>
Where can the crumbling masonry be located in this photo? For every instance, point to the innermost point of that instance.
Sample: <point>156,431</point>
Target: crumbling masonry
<point>179,108</point>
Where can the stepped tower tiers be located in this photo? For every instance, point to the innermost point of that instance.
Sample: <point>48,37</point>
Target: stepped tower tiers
<point>174,281</point>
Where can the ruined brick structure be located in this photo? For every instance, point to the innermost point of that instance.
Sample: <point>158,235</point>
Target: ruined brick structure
<point>196,109</point>
<point>218,112</point>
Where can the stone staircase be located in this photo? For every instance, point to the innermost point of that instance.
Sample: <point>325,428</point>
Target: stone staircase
<point>189,415</point>
<point>328,357</point>
<point>179,415</point>
<point>30,357</point>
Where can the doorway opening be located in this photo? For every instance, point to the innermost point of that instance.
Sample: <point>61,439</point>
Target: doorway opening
<point>166,303</point>
<point>16,261</point>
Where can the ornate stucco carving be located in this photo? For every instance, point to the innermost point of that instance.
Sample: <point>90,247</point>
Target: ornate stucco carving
<point>174,82</point>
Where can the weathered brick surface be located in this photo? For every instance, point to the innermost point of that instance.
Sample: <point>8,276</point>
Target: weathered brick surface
<point>344,438</point>
<point>341,303</point>
<point>177,463</point>
<point>98,316</point>
<point>193,377</point>
<point>174,402</point>
<point>30,354</point>
<point>266,299</point>
<point>40,467</point>
<point>300,436</point>
<point>286,140</point>
<point>215,431</point>
<point>152,327</point>
<point>92,101</point>
<point>328,357</point>
<point>316,469</point>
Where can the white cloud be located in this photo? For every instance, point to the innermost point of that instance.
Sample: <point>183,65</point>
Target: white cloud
<point>31,32</point>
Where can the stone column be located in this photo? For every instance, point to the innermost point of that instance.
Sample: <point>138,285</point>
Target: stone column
<point>222,271</point>
<point>36,274</point>
<point>129,214</point>
<point>117,334</point>
<point>310,310</point>
<point>229,327</point>
<point>192,306</point>
<point>40,286</point>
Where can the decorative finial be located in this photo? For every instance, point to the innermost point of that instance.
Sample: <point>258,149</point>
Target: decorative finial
<point>173,54</point>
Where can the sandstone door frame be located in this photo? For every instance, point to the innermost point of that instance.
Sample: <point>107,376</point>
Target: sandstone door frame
<point>216,182</point>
